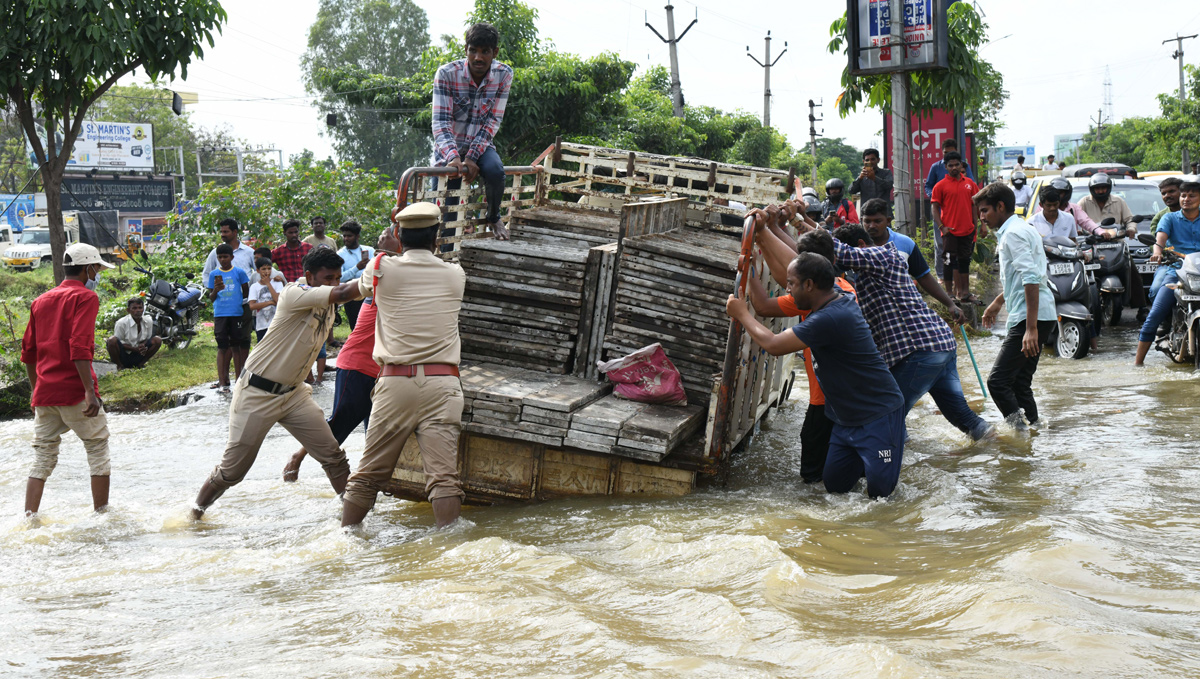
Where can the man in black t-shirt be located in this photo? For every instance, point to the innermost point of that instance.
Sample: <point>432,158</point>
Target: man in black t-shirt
<point>861,396</point>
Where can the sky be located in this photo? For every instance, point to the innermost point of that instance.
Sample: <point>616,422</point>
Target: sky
<point>1053,55</point>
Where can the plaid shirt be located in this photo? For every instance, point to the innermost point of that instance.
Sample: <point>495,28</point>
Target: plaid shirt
<point>466,117</point>
<point>900,321</point>
<point>289,261</point>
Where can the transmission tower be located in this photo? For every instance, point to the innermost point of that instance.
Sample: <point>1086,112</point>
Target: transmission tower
<point>1108,102</point>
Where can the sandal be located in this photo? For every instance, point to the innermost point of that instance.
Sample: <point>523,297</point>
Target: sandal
<point>970,299</point>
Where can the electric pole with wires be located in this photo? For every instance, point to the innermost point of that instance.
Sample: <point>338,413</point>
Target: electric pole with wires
<point>812,135</point>
<point>766,64</point>
<point>672,41</point>
<point>1178,55</point>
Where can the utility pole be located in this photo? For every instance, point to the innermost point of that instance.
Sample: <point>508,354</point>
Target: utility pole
<point>1098,121</point>
<point>1182,97</point>
<point>901,136</point>
<point>766,64</point>
<point>671,40</point>
<point>812,135</point>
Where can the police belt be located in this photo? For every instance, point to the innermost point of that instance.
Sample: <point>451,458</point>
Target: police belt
<point>431,370</point>
<point>260,382</point>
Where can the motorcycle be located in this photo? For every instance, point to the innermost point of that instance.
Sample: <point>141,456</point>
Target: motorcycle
<point>175,309</point>
<point>1070,281</point>
<point>1110,267</point>
<point>1182,342</point>
<point>1139,259</point>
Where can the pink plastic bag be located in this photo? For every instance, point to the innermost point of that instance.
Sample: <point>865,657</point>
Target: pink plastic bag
<point>646,375</point>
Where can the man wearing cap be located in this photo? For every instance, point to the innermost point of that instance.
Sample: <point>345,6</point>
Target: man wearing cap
<point>271,389</point>
<point>417,347</point>
<point>57,353</point>
<point>355,257</point>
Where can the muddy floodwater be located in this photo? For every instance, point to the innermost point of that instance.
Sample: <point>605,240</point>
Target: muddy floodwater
<point>1072,553</point>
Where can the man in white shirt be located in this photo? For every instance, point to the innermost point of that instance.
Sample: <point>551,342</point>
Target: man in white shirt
<point>1050,164</point>
<point>1051,221</point>
<point>1021,190</point>
<point>133,341</point>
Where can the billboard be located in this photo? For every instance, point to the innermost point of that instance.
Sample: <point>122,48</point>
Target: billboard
<point>928,133</point>
<point>155,196</point>
<point>1006,156</point>
<point>869,26</point>
<point>1066,145</point>
<point>107,146</point>
<point>16,206</point>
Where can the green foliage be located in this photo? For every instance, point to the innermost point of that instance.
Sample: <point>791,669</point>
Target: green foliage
<point>378,36</point>
<point>1149,143</point>
<point>64,54</point>
<point>970,86</point>
<point>517,24</point>
<point>262,203</point>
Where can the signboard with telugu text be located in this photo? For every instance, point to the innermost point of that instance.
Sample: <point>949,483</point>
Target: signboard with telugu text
<point>127,194</point>
<point>869,27</point>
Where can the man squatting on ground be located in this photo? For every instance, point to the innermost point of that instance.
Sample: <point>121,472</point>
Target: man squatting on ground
<point>861,396</point>
<point>272,389</point>
<point>417,344</point>
<point>133,341</point>
<point>57,353</point>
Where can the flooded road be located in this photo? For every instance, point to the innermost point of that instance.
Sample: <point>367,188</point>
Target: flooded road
<point>1073,553</point>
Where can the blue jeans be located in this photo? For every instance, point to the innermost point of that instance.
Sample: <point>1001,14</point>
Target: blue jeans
<point>351,402</point>
<point>874,450</point>
<point>1160,309</point>
<point>936,373</point>
<point>491,172</point>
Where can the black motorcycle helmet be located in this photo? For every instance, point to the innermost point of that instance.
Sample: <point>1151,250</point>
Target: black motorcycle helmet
<point>1018,179</point>
<point>1063,187</point>
<point>832,185</point>
<point>1100,180</point>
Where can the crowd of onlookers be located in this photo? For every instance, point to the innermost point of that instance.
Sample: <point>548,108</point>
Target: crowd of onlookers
<point>243,284</point>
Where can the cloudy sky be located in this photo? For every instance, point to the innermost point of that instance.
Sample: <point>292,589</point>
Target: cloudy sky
<point>1053,55</point>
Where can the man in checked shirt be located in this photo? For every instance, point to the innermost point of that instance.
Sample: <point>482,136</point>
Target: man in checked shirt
<point>469,96</point>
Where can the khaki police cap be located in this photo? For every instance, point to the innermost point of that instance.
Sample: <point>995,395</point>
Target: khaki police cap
<point>419,216</point>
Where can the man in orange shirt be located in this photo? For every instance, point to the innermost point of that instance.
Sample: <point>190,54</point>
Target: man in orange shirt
<point>817,428</point>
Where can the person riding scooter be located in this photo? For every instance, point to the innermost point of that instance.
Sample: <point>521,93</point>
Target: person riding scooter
<point>836,210</point>
<point>1021,190</point>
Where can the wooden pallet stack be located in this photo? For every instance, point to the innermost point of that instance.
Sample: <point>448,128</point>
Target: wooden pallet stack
<point>558,226</point>
<point>523,404</point>
<point>523,304</point>
<point>671,288</point>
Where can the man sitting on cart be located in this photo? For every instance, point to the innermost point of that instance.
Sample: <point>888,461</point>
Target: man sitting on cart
<point>469,96</point>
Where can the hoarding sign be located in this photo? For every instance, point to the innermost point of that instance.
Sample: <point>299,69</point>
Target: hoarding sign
<point>107,146</point>
<point>1006,156</point>
<point>16,207</point>
<point>1066,145</point>
<point>928,133</point>
<point>155,196</point>
<point>869,26</point>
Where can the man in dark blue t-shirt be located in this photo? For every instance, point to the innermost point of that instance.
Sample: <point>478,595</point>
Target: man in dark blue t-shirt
<point>861,396</point>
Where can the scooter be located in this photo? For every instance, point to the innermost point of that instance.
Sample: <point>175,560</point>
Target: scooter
<point>175,309</point>
<point>1182,342</point>
<point>1070,282</point>
<point>1139,260</point>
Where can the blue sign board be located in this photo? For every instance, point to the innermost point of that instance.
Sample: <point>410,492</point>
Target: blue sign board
<point>15,207</point>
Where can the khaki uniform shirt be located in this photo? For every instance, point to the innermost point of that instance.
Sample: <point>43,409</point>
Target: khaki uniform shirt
<point>419,297</point>
<point>1116,207</point>
<point>303,319</point>
<point>328,242</point>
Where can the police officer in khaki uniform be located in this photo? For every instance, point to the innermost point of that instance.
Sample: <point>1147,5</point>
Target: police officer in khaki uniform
<point>271,389</point>
<point>417,345</point>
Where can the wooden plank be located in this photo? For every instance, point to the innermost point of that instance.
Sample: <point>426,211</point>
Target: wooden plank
<point>505,330</point>
<point>484,309</point>
<point>637,453</point>
<point>704,258</point>
<point>585,445</point>
<point>633,478</point>
<point>534,411</point>
<point>566,395</point>
<point>511,288</point>
<point>515,389</point>
<point>666,423</point>
<point>608,411</point>
<point>568,474</point>
<point>571,269</point>
<point>501,467</point>
<point>495,270</point>
<point>561,423</point>
<point>591,281</point>
<point>640,277</point>
<point>540,251</point>
<point>577,435</point>
<point>477,376</point>
<point>543,429</point>
<point>515,362</point>
<point>665,268</point>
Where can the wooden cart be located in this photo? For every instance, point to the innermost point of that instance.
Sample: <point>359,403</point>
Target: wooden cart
<point>611,250</point>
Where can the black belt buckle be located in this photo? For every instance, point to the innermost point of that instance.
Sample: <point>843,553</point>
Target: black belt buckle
<point>259,382</point>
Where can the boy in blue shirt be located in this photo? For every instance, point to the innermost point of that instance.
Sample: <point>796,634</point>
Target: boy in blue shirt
<point>861,396</point>
<point>229,288</point>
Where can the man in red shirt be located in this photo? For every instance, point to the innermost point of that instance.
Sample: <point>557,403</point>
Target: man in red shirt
<point>57,353</point>
<point>289,257</point>
<point>955,215</point>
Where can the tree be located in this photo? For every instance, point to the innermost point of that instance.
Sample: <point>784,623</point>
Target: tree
<point>971,86</point>
<point>386,37</point>
<point>58,56</point>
